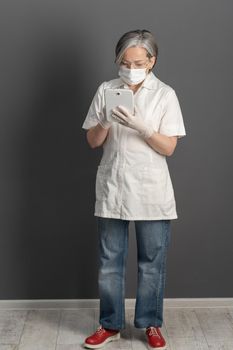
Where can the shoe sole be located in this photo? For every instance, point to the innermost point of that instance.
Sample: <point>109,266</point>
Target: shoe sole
<point>98,346</point>
<point>160,348</point>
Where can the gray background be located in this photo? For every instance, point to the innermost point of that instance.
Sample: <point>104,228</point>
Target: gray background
<point>54,54</point>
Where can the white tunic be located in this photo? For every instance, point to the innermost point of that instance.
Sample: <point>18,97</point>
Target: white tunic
<point>133,180</point>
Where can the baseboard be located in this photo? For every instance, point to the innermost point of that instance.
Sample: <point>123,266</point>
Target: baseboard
<point>129,303</point>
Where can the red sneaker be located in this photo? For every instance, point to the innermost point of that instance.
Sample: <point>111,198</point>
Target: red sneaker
<point>155,338</point>
<point>101,337</point>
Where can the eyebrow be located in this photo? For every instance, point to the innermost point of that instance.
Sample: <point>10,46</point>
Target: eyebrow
<point>133,61</point>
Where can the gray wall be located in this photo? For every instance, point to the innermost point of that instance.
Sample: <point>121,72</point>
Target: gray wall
<point>54,54</point>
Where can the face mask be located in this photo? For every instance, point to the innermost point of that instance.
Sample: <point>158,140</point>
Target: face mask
<point>132,76</point>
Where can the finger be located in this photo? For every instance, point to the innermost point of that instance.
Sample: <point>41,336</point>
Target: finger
<point>119,120</point>
<point>124,110</point>
<point>119,114</point>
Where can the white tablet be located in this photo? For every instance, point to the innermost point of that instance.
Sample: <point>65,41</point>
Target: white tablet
<point>116,97</point>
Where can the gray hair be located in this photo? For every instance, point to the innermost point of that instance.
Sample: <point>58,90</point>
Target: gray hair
<point>142,38</point>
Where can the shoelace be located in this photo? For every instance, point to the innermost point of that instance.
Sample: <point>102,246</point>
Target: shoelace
<point>100,330</point>
<point>153,331</point>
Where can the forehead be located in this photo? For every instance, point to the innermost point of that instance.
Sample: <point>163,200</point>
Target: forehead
<point>135,53</point>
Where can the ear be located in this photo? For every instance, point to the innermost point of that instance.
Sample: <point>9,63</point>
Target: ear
<point>152,61</point>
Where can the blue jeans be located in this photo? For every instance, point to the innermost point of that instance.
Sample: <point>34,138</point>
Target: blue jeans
<point>153,238</point>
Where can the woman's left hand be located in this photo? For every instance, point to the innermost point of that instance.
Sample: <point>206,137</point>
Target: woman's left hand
<point>124,117</point>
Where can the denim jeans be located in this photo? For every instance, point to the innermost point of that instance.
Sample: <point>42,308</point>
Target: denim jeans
<point>153,238</point>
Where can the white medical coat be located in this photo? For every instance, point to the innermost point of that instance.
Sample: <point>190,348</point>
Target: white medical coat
<point>133,180</point>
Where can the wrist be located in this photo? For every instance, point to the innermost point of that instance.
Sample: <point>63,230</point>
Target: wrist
<point>104,123</point>
<point>147,132</point>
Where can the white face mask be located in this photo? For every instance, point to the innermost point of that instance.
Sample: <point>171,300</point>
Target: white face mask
<point>132,76</point>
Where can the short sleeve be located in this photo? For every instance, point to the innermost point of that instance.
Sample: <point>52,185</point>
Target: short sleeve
<point>95,110</point>
<point>171,123</point>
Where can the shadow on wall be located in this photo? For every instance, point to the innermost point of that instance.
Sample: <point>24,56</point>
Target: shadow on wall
<point>57,253</point>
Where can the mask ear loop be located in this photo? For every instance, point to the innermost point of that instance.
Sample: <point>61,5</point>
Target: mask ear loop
<point>150,69</point>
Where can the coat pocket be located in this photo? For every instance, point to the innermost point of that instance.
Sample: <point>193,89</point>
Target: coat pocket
<point>101,183</point>
<point>153,185</point>
<point>106,183</point>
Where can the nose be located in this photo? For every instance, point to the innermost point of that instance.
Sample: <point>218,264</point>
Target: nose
<point>131,66</point>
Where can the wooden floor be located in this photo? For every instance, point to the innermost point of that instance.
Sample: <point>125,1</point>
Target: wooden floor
<point>66,329</point>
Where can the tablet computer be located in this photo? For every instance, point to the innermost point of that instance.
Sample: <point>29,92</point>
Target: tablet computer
<point>117,97</point>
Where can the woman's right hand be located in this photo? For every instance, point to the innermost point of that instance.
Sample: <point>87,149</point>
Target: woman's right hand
<point>97,135</point>
<point>103,120</point>
<point>104,123</point>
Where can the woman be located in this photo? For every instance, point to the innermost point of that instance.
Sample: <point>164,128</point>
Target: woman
<point>133,183</point>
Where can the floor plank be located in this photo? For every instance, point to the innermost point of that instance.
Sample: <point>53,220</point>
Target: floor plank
<point>75,326</point>
<point>8,347</point>
<point>217,327</point>
<point>40,330</point>
<point>66,329</point>
<point>183,330</point>
<point>11,326</point>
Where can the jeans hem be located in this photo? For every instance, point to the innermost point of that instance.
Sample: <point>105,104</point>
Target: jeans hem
<point>113,327</point>
<point>144,326</point>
